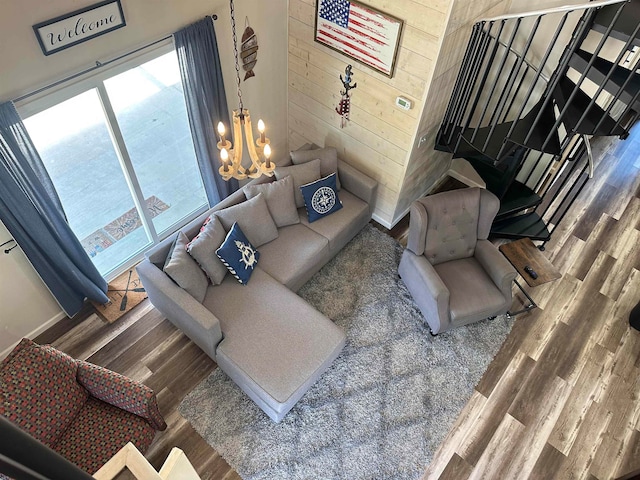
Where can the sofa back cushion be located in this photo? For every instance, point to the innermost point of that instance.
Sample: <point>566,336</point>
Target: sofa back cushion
<point>302,174</point>
<point>203,246</point>
<point>39,391</point>
<point>184,270</point>
<point>328,160</point>
<point>254,219</point>
<point>280,199</point>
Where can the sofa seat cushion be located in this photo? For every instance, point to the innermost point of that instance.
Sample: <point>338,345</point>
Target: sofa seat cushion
<point>473,296</point>
<point>39,391</point>
<point>342,225</point>
<point>294,254</point>
<point>275,344</point>
<point>85,444</point>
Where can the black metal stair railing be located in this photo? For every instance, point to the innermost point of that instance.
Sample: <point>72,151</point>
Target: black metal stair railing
<point>500,81</point>
<point>527,89</point>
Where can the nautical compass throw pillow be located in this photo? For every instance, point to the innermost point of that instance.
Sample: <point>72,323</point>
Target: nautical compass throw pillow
<point>238,255</point>
<point>321,197</point>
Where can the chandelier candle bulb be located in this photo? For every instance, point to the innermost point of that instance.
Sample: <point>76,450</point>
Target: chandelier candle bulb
<point>261,130</point>
<point>221,131</point>
<point>267,155</point>
<point>224,156</point>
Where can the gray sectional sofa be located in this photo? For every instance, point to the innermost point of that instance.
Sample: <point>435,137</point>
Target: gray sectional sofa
<point>262,335</point>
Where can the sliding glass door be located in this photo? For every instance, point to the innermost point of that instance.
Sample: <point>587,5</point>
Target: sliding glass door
<point>121,157</point>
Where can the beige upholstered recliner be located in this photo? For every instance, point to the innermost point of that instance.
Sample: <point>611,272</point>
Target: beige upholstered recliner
<point>455,275</point>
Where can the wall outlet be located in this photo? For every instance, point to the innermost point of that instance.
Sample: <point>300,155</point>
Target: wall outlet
<point>423,140</point>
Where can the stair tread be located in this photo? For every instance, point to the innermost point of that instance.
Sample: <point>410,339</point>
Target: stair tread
<point>519,197</point>
<point>529,225</point>
<point>625,24</point>
<point>600,69</point>
<point>522,129</point>
<point>577,107</point>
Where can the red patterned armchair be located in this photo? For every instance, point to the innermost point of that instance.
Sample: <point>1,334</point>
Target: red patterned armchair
<point>84,412</point>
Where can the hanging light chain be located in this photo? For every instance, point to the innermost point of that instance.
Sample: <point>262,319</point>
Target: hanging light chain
<point>235,52</point>
<point>230,157</point>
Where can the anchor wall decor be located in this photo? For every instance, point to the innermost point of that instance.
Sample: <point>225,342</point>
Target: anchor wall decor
<point>344,106</point>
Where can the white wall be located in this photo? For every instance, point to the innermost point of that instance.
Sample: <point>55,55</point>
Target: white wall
<point>26,305</point>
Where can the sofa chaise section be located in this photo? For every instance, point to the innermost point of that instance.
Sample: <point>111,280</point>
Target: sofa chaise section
<point>275,344</point>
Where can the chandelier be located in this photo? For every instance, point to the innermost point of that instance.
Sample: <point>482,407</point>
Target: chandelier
<point>259,152</point>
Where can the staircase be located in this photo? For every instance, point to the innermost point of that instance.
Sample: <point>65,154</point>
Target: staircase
<point>531,92</point>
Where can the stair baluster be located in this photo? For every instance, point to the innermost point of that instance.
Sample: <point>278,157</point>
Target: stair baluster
<point>490,123</point>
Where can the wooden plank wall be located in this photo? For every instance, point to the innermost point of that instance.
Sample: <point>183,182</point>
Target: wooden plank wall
<point>381,139</point>
<point>425,165</point>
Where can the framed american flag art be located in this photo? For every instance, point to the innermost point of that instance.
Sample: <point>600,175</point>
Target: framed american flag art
<point>363,33</point>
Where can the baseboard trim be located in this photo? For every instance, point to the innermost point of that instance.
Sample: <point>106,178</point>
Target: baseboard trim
<point>45,326</point>
<point>382,222</point>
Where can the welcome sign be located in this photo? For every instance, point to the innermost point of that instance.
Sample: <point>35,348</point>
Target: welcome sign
<point>79,26</point>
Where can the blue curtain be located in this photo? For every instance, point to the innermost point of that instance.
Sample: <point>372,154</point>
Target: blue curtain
<point>32,212</point>
<point>204,94</point>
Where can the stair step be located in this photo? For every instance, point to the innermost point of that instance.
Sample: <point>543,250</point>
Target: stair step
<point>498,177</point>
<point>442,137</point>
<point>600,69</point>
<point>464,149</point>
<point>522,130</point>
<point>624,26</point>
<point>578,106</point>
<point>529,225</point>
<point>519,197</point>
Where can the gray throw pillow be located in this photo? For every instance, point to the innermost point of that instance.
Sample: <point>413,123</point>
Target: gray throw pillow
<point>302,174</point>
<point>280,199</point>
<point>254,220</point>
<point>203,246</point>
<point>184,270</point>
<point>328,160</point>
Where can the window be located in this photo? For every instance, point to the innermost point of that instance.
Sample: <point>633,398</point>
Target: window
<point>121,157</point>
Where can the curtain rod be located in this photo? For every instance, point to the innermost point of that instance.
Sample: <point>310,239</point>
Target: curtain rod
<point>95,67</point>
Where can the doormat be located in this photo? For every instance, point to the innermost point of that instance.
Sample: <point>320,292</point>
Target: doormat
<point>125,292</point>
<point>106,236</point>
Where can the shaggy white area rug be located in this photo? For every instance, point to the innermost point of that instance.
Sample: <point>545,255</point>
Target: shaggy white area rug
<point>386,403</point>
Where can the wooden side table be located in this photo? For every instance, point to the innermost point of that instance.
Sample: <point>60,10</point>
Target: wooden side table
<point>521,254</point>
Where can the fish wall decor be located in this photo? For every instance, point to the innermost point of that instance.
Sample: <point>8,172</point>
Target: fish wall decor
<point>249,50</point>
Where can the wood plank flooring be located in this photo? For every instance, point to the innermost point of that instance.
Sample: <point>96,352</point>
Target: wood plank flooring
<point>559,400</point>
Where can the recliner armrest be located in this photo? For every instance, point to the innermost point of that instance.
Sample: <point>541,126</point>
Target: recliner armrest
<point>121,392</point>
<point>358,183</point>
<point>496,265</point>
<point>427,288</point>
<point>418,220</point>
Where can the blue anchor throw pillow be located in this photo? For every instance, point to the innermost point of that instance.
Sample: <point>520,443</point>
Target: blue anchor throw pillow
<point>321,197</point>
<point>238,255</point>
